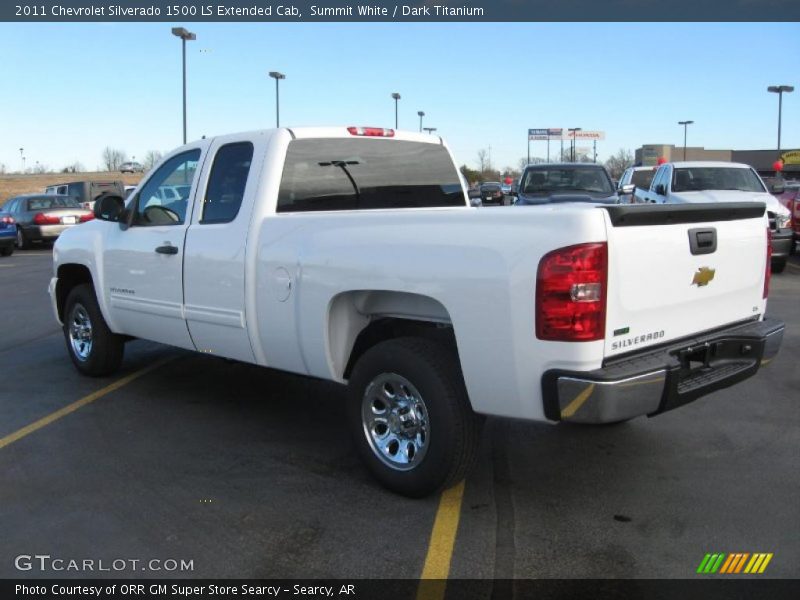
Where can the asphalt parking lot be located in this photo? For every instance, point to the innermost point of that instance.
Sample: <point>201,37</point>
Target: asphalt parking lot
<point>249,472</point>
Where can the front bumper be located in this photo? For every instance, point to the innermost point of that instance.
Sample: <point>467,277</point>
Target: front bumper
<point>782,240</point>
<point>652,382</point>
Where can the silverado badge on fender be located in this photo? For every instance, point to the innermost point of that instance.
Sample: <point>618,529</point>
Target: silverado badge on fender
<point>703,276</point>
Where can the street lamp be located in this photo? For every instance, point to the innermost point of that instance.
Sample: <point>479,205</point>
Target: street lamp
<point>396,97</point>
<point>277,77</point>
<point>185,36</point>
<point>430,130</point>
<point>22,158</point>
<point>780,89</point>
<point>574,131</point>
<point>421,114</point>
<point>685,125</point>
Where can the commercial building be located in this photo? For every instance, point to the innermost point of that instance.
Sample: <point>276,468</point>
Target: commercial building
<point>761,160</point>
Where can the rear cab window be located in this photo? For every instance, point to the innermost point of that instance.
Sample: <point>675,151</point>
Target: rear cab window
<point>367,174</point>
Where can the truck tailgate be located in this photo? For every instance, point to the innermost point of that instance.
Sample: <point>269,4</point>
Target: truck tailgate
<point>677,270</point>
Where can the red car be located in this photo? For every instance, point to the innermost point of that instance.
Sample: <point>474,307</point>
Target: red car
<point>790,198</point>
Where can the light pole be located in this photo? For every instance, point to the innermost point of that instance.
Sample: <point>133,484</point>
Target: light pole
<point>396,97</point>
<point>421,114</point>
<point>185,36</point>
<point>574,131</point>
<point>780,89</point>
<point>22,158</point>
<point>430,130</point>
<point>277,77</point>
<point>685,126</point>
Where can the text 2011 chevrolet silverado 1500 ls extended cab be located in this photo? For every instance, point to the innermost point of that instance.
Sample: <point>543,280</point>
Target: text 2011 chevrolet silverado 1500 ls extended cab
<point>352,255</point>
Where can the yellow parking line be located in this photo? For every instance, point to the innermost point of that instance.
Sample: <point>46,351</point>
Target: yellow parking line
<point>70,408</point>
<point>440,548</point>
<point>8,266</point>
<point>577,402</point>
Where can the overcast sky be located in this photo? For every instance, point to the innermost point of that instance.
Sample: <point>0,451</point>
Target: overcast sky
<point>69,90</point>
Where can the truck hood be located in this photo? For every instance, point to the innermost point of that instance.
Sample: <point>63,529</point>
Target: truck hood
<point>773,204</point>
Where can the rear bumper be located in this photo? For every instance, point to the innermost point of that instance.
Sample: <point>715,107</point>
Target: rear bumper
<point>649,383</point>
<point>44,232</point>
<point>782,240</point>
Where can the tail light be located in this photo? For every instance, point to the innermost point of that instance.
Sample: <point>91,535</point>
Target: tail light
<point>87,217</point>
<point>371,131</point>
<point>43,219</point>
<point>571,294</point>
<point>7,220</point>
<point>768,267</point>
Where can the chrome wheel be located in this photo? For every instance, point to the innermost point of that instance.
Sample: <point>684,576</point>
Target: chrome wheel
<point>20,238</point>
<point>80,332</point>
<point>395,421</point>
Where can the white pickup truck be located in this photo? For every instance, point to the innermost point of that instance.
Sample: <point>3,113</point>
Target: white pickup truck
<point>352,255</point>
<point>694,182</point>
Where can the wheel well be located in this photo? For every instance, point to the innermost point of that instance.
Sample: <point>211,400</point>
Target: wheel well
<point>70,276</point>
<point>384,329</point>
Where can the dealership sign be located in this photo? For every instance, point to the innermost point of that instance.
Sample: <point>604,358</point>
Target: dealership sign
<point>586,135</point>
<point>551,133</point>
<point>791,158</point>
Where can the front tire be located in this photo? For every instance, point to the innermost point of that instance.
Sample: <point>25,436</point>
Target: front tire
<point>7,250</point>
<point>410,416</point>
<point>94,349</point>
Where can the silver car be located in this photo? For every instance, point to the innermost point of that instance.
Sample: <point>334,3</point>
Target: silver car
<point>42,217</point>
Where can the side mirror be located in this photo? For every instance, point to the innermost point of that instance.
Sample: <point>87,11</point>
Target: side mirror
<point>777,188</point>
<point>109,208</point>
<point>660,190</point>
<point>628,188</point>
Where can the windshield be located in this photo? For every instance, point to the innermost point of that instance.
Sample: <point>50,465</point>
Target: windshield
<point>642,179</point>
<point>693,179</point>
<point>565,179</point>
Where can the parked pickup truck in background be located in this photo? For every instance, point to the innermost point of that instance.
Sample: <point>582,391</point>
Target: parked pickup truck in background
<point>352,255</point>
<point>708,181</point>
<point>86,192</point>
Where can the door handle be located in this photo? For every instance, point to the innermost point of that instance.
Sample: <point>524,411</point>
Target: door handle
<point>167,249</point>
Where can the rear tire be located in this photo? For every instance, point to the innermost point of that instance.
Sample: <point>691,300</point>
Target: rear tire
<point>779,264</point>
<point>410,416</point>
<point>7,250</point>
<point>22,240</point>
<point>94,349</point>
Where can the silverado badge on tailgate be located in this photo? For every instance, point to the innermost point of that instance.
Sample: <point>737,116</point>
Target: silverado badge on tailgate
<point>703,276</point>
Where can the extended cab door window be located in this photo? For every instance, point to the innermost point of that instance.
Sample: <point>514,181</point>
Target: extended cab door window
<point>164,198</point>
<point>226,184</point>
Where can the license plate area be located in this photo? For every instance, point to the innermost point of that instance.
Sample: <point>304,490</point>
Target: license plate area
<point>69,220</point>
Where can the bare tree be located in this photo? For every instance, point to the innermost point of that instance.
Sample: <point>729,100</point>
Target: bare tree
<point>484,160</point>
<point>76,167</point>
<point>617,164</point>
<point>150,159</point>
<point>535,160</point>
<point>113,158</point>
<point>40,168</point>
<point>2,169</point>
